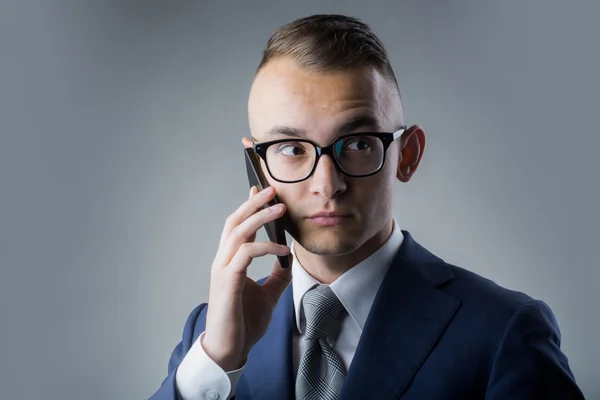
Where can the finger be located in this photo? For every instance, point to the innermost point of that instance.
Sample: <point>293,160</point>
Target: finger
<point>250,206</point>
<point>279,280</point>
<point>247,209</point>
<point>248,228</point>
<point>246,142</point>
<point>253,191</point>
<point>248,251</point>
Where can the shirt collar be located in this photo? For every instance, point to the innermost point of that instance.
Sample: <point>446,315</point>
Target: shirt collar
<point>357,287</point>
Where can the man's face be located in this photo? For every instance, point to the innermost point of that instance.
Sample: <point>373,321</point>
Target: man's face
<point>285,95</point>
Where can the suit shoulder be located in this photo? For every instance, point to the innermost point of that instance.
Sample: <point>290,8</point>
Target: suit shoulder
<point>488,310</point>
<point>482,294</point>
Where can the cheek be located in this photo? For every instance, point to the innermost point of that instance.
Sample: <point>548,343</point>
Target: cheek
<point>376,195</point>
<point>288,194</point>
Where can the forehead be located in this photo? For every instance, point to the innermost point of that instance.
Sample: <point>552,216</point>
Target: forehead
<point>284,94</point>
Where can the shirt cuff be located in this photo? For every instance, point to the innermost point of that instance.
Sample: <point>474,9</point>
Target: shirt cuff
<point>198,377</point>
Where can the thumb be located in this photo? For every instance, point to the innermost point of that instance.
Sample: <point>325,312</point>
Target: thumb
<point>279,279</point>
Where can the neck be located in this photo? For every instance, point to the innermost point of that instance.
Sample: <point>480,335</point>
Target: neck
<point>326,269</point>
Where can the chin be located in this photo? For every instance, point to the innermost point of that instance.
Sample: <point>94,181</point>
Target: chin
<point>329,242</point>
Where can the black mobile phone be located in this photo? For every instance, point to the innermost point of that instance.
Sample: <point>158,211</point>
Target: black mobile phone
<point>274,229</point>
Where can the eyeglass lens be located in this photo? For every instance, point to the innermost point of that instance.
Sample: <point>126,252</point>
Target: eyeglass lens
<point>294,160</point>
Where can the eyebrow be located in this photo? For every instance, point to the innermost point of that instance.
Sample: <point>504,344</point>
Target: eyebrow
<point>358,121</point>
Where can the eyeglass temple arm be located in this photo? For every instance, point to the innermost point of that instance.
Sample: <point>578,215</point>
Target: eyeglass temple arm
<point>399,132</point>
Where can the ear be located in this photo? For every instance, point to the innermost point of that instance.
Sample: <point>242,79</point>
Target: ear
<point>412,145</point>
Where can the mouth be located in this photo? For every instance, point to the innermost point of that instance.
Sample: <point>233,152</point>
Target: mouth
<point>329,218</point>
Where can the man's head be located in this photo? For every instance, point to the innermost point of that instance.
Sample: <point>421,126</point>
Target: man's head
<point>322,77</point>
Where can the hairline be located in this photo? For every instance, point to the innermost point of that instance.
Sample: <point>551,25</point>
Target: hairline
<point>388,76</point>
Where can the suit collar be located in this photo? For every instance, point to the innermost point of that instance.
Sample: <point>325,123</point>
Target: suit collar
<point>414,257</point>
<point>408,316</point>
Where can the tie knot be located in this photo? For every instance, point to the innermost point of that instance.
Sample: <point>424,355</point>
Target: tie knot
<point>321,308</point>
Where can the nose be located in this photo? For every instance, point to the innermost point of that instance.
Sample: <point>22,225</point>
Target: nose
<point>326,180</point>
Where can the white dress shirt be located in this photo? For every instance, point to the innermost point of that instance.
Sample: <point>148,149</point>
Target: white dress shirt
<point>199,378</point>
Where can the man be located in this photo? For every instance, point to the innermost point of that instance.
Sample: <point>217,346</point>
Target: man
<point>370,313</point>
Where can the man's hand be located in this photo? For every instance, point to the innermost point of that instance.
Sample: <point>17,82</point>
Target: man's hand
<point>239,309</point>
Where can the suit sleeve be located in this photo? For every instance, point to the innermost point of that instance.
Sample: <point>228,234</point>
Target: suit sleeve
<point>200,378</point>
<point>529,363</point>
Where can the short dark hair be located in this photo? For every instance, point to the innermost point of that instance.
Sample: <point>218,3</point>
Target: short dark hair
<point>329,42</point>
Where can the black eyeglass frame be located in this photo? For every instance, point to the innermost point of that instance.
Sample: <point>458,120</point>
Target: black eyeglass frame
<point>387,138</point>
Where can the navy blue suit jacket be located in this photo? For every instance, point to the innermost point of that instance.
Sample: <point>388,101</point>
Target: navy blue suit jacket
<point>435,331</point>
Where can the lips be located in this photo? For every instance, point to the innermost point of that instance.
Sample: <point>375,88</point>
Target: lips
<point>331,218</point>
<point>329,214</point>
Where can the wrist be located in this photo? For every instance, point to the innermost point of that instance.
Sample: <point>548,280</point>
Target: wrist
<point>228,361</point>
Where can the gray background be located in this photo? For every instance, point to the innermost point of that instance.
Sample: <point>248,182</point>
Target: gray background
<point>120,159</point>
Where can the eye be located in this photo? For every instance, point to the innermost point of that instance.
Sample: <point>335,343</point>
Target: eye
<point>358,144</point>
<point>291,149</point>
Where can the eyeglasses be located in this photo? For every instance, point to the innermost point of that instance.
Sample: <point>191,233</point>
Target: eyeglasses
<point>356,155</point>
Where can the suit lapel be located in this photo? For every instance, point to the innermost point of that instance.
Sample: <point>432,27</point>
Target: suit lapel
<point>269,370</point>
<point>406,320</point>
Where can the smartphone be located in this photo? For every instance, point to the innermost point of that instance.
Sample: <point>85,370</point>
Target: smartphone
<point>256,177</point>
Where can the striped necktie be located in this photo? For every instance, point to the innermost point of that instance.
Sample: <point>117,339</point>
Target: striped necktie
<point>321,372</point>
